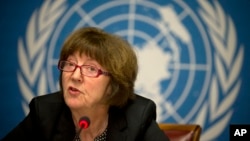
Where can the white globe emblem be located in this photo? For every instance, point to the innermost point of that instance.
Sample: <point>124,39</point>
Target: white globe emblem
<point>172,48</point>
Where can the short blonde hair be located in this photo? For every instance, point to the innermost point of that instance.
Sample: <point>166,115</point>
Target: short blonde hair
<point>110,51</point>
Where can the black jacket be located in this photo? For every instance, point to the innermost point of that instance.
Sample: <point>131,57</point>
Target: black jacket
<point>50,120</point>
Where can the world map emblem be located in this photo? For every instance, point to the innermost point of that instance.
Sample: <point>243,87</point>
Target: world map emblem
<point>176,58</point>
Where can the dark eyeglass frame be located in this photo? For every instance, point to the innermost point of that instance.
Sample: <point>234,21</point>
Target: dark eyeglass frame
<point>99,71</point>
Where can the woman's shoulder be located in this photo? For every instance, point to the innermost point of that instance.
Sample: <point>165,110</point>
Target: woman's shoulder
<point>55,97</point>
<point>139,109</point>
<point>135,115</point>
<point>49,103</point>
<point>142,99</point>
<point>141,102</point>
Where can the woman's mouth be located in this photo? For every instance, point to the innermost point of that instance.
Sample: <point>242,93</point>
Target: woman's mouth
<point>74,91</point>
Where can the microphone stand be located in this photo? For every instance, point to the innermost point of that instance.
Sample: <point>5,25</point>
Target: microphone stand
<point>77,134</point>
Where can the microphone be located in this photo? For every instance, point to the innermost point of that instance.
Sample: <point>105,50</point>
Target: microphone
<point>83,123</point>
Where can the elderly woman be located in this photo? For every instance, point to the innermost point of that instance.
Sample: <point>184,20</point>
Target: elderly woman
<point>97,75</point>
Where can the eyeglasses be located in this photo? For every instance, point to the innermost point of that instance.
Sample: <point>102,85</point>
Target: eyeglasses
<point>86,70</point>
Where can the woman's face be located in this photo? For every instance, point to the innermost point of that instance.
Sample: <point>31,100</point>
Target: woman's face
<point>82,91</point>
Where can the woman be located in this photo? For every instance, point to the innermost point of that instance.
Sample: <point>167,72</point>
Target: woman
<point>98,71</point>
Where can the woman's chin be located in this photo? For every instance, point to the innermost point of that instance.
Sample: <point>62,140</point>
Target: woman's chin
<point>73,103</point>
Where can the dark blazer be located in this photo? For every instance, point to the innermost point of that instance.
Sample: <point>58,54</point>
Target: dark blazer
<point>50,120</point>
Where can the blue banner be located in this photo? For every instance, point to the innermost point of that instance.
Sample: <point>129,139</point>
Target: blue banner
<point>193,56</point>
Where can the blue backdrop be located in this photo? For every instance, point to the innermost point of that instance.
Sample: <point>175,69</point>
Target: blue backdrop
<point>193,56</point>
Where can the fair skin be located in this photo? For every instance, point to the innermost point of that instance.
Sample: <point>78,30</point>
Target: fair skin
<point>85,96</point>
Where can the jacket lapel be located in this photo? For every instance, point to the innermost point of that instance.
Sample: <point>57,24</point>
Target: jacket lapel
<point>65,129</point>
<point>117,125</point>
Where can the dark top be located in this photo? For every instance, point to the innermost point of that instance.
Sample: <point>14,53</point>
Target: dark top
<point>50,120</point>
<point>101,137</point>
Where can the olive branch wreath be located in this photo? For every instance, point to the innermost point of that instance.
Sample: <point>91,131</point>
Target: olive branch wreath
<point>32,51</point>
<point>228,63</point>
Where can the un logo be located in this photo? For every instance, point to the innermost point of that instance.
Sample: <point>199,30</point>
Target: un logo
<point>186,65</point>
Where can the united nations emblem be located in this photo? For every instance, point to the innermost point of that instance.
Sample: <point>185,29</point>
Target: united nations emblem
<point>189,61</point>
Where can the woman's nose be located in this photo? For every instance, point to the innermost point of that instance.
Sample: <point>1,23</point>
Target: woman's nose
<point>77,75</point>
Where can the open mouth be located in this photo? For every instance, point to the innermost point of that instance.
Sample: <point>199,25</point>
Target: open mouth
<point>73,90</point>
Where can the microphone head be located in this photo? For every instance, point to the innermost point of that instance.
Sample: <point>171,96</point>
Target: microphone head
<point>84,122</point>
